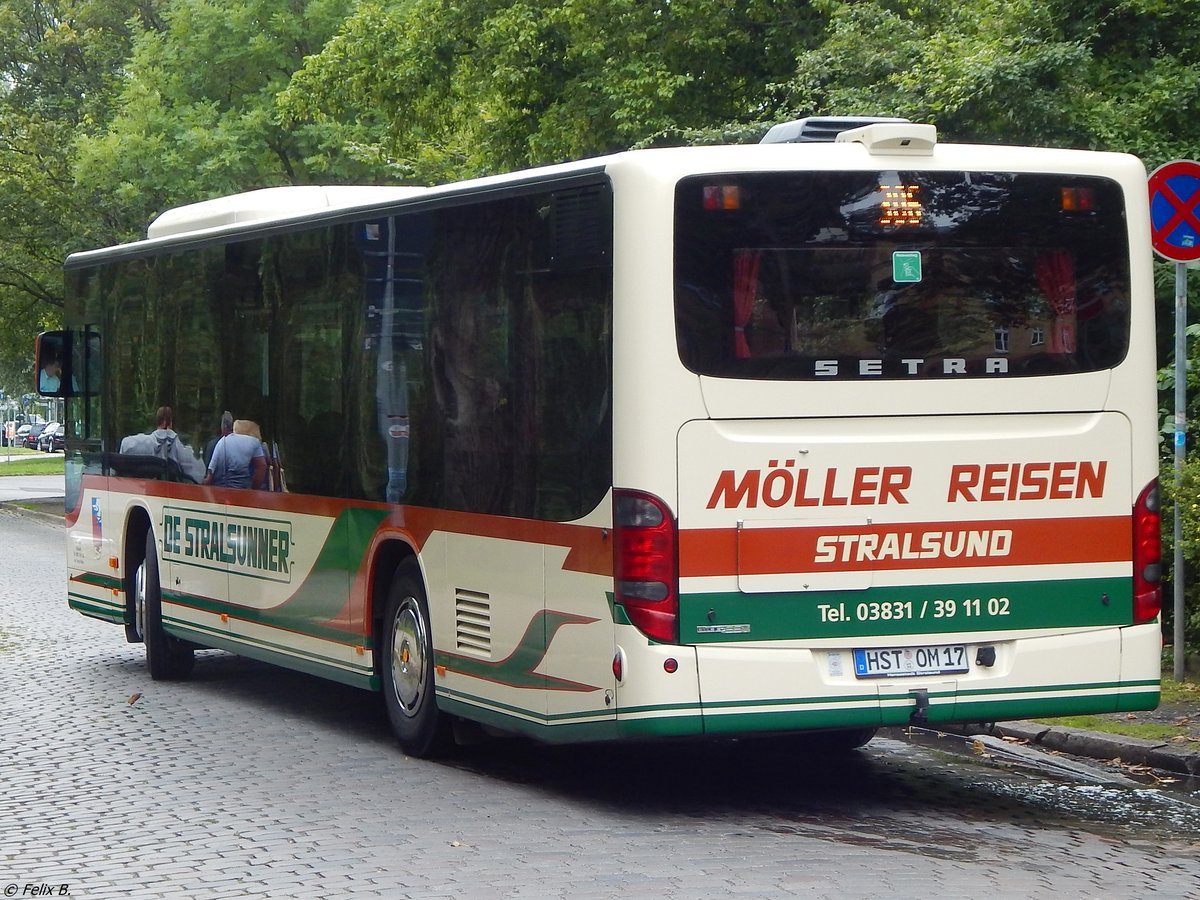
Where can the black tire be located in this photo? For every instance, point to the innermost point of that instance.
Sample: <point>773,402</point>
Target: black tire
<point>406,669</point>
<point>167,658</point>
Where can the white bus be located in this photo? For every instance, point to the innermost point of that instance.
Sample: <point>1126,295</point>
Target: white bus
<point>843,430</point>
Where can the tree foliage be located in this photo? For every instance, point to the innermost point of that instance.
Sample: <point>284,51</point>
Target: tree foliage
<point>196,113</point>
<point>1106,75</point>
<point>59,65</point>
<point>431,90</point>
<point>983,70</point>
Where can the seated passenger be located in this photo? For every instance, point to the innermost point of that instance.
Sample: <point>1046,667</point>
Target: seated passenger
<point>238,459</point>
<point>164,443</point>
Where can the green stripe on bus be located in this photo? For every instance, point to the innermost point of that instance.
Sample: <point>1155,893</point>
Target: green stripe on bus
<point>179,626</point>
<point>310,663</point>
<point>325,588</point>
<point>495,716</point>
<point>1112,686</point>
<point>782,714</point>
<point>567,727</point>
<point>793,720</point>
<point>268,618</point>
<point>908,609</point>
<point>97,609</point>
<point>1130,702</point>
<point>1049,707</point>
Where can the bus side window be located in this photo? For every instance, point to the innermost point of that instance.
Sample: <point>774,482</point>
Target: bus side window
<point>84,364</point>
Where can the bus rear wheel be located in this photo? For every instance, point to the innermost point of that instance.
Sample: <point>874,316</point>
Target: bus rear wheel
<point>406,667</point>
<point>167,658</point>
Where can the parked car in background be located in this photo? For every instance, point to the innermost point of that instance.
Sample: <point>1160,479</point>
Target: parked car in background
<point>22,432</point>
<point>51,438</point>
<point>29,442</point>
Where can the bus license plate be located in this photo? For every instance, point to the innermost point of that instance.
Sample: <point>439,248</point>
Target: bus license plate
<point>898,662</point>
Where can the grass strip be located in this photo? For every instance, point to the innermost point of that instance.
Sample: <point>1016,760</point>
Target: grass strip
<point>38,465</point>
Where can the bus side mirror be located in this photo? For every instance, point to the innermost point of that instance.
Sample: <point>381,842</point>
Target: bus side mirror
<point>51,352</point>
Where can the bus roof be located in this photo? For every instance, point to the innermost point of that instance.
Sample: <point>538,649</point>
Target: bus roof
<point>283,208</point>
<point>269,205</point>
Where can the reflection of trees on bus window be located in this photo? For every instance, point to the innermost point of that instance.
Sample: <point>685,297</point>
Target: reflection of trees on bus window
<point>393,286</point>
<point>88,368</point>
<point>457,357</point>
<point>519,354</point>
<point>82,442</point>
<point>801,280</point>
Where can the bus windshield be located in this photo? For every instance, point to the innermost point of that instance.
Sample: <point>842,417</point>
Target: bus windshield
<point>852,275</point>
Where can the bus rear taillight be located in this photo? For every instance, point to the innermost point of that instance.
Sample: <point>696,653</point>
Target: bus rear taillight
<point>646,563</point>
<point>1147,556</point>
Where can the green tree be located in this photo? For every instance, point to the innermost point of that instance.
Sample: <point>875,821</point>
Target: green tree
<point>197,114</point>
<point>428,91</point>
<point>59,63</point>
<point>1139,92</point>
<point>1089,73</point>
<point>1186,496</point>
<point>994,70</point>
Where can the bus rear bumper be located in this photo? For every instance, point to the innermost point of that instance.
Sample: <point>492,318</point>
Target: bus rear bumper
<point>759,689</point>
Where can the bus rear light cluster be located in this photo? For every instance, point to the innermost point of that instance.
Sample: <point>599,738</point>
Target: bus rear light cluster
<point>1147,556</point>
<point>646,563</point>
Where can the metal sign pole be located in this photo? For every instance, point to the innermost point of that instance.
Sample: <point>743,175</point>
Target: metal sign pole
<point>1175,235</point>
<point>1180,447</point>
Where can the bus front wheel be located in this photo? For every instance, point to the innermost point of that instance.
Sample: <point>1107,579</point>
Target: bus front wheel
<point>407,668</point>
<point>167,658</point>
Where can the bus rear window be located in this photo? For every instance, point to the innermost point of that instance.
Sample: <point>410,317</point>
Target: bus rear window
<point>851,275</point>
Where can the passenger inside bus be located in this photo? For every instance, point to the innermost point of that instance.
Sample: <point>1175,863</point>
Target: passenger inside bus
<point>163,443</point>
<point>238,460</point>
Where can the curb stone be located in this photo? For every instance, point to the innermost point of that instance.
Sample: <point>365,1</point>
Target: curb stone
<point>14,506</point>
<point>1099,745</point>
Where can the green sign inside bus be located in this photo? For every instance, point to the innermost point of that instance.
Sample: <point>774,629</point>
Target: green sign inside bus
<point>906,266</point>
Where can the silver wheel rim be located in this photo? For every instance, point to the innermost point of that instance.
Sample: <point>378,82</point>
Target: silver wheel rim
<point>408,656</point>
<point>139,600</point>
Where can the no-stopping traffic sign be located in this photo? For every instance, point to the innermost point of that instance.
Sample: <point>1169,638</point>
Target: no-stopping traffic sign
<point>1175,210</point>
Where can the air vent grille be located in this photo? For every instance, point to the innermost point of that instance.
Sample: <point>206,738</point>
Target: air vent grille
<point>581,227</point>
<point>472,622</point>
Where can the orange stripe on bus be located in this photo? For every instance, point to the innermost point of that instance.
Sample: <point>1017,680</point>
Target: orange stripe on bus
<point>925,545</point>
